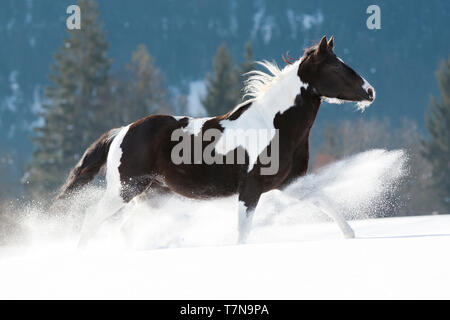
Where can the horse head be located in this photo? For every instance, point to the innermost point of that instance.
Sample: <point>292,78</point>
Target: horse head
<point>330,78</point>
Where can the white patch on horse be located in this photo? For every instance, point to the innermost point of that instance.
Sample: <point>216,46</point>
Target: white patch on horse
<point>113,133</point>
<point>195,125</point>
<point>333,100</point>
<point>365,103</point>
<point>244,221</point>
<point>272,93</point>
<point>113,162</point>
<point>111,202</point>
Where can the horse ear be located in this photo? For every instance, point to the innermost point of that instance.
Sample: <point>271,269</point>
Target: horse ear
<point>331,42</point>
<point>322,45</point>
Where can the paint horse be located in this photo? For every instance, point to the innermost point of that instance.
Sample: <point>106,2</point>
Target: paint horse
<point>284,102</point>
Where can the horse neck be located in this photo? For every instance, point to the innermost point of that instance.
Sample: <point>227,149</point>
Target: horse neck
<point>295,124</point>
<point>293,102</point>
<point>307,105</point>
<point>288,101</point>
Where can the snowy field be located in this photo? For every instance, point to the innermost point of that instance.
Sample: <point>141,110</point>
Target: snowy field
<point>184,249</point>
<point>400,258</point>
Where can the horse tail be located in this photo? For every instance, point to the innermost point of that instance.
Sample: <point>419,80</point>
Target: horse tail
<point>90,163</point>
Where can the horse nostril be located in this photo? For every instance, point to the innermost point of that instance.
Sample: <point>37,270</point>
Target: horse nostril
<point>370,93</point>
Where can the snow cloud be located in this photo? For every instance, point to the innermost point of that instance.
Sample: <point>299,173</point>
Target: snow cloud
<point>357,187</point>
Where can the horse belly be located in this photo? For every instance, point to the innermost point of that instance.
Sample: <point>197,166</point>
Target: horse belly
<point>202,181</point>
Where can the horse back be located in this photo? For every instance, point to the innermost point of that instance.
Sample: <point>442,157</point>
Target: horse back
<point>147,152</point>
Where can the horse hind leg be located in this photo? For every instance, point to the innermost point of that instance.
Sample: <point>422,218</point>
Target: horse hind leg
<point>115,200</point>
<point>108,205</point>
<point>154,197</point>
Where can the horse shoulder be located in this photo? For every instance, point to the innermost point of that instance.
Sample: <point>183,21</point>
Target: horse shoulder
<point>299,165</point>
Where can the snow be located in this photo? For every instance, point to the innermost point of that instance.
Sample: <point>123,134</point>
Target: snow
<point>257,18</point>
<point>402,258</point>
<point>267,29</point>
<point>307,21</point>
<point>16,95</point>
<point>174,248</point>
<point>197,90</point>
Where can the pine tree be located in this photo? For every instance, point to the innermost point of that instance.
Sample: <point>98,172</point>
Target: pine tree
<point>146,85</point>
<point>247,65</point>
<point>135,92</point>
<point>437,148</point>
<point>223,86</point>
<point>6,166</point>
<point>78,76</point>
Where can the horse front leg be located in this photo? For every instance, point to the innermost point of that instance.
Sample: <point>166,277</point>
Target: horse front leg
<point>249,196</point>
<point>326,206</point>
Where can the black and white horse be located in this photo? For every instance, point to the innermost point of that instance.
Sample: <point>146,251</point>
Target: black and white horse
<point>147,155</point>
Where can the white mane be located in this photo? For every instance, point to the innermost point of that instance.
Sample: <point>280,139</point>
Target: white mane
<point>259,82</point>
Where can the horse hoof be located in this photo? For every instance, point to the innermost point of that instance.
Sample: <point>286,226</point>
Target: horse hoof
<point>242,238</point>
<point>82,243</point>
<point>350,234</point>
